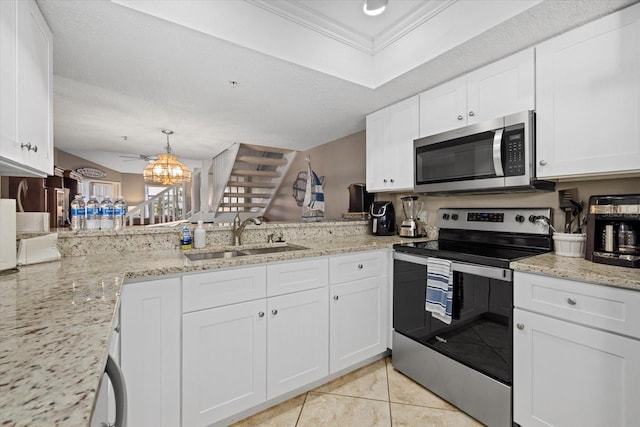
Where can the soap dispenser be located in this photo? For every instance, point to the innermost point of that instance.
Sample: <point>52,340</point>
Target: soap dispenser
<point>199,236</point>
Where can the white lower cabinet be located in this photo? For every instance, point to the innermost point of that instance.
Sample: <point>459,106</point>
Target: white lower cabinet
<point>223,361</point>
<point>358,314</point>
<point>150,351</point>
<point>297,340</point>
<point>576,353</point>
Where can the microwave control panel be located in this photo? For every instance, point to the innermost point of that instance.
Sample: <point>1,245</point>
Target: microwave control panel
<point>514,154</point>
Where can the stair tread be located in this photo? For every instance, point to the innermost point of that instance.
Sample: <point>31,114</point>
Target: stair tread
<point>251,184</point>
<point>249,195</point>
<point>243,205</point>
<point>267,149</point>
<point>252,172</point>
<point>255,160</point>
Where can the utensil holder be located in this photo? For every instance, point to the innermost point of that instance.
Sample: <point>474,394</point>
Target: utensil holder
<point>569,244</point>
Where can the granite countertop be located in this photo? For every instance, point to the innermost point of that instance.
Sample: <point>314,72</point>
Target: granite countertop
<point>580,269</point>
<point>56,318</point>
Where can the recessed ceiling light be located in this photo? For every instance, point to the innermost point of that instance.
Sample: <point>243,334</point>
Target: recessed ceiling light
<point>374,7</point>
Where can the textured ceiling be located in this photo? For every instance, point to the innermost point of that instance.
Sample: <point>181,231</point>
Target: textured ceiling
<point>121,72</point>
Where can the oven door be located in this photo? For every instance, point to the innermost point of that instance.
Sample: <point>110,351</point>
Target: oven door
<point>480,334</point>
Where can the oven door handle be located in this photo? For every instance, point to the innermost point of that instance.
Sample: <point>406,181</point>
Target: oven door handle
<point>497,273</point>
<point>497,152</point>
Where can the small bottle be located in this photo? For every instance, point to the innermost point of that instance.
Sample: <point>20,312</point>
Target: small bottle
<point>93,212</point>
<point>119,212</point>
<point>106,214</point>
<point>185,238</point>
<point>78,213</point>
<point>199,236</point>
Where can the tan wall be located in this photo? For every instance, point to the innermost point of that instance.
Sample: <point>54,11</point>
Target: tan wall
<point>132,187</point>
<point>549,199</point>
<point>68,161</point>
<point>341,162</point>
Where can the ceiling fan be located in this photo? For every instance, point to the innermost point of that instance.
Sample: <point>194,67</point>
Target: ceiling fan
<point>131,158</point>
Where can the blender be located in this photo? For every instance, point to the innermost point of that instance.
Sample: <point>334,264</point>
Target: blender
<point>410,227</point>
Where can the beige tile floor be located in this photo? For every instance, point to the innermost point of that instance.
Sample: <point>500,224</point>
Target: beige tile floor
<point>375,395</point>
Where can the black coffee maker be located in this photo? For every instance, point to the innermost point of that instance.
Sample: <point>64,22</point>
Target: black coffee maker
<point>382,219</point>
<point>613,226</point>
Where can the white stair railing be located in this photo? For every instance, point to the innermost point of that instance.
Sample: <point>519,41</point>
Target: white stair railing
<point>167,206</point>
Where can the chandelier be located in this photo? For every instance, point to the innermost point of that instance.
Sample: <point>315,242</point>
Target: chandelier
<point>167,170</point>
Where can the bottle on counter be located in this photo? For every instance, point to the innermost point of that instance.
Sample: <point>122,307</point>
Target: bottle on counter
<point>199,236</point>
<point>93,214</point>
<point>78,213</point>
<point>119,212</point>
<point>185,238</point>
<point>106,214</point>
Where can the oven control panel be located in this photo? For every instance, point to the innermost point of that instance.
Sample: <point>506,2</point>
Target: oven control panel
<point>510,220</point>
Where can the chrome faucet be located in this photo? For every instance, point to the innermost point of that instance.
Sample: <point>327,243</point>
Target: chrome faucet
<point>238,228</point>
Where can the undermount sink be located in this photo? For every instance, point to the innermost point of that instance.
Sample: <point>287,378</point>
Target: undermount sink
<point>203,256</point>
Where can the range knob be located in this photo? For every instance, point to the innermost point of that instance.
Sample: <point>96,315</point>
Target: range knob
<point>520,219</point>
<point>454,217</point>
<point>445,216</point>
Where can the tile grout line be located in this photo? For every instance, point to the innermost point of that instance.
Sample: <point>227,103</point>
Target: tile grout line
<point>306,396</point>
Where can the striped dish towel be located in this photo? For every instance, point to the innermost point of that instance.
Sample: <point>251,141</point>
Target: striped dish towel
<point>439,289</point>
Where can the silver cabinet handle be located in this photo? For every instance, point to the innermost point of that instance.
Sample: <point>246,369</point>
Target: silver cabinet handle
<point>29,147</point>
<point>571,301</point>
<point>391,180</point>
<point>543,162</point>
<point>261,314</point>
<point>117,329</point>
<point>384,180</point>
<point>360,266</point>
<point>460,117</point>
<point>336,297</point>
<point>520,326</point>
<point>471,113</point>
<point>274,311</point>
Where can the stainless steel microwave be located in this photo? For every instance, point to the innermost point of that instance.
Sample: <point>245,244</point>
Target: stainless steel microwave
<point>494,156</point>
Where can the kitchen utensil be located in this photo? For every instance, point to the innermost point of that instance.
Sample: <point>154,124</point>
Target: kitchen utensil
<point>565,198</point>
<point>410,226</point>
<point>578,208</point>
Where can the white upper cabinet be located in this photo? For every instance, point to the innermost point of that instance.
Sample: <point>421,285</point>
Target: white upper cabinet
<point>26,71</point>
<point>390,135</point>
<point>498,89</point>
<point>588,96</point>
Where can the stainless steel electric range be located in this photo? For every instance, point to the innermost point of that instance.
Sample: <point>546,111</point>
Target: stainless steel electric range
<point>468,361</point>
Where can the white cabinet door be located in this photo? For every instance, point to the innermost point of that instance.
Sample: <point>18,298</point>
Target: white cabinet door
<point>502,88</point>
<point>150,334</point>
<point>443,107</point>
<point>570,375</point>
<point>390,135</point>
<point>588,99</point>
<point>223,362</point>
<point>498,89</point>
<point>376,150</point>
<point>358,321</point>
<point>26,118</point>
<point>297,340</point>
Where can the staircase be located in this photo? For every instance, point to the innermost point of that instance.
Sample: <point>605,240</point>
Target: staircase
<point>242,180</point>
<point>167,206</point>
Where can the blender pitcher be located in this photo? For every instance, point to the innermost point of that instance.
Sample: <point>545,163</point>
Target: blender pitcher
<point>410,226</point>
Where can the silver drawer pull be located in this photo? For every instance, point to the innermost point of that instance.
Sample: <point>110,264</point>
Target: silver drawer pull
<point>460,117</point>
<point>274,311</point>
<point>335,297</point>
<point>520,326</point>
<point>360,266</point>
<point>571,301</point>
<point>261,314</point>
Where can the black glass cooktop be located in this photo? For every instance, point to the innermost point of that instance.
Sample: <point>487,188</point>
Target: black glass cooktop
<point>484,254</point>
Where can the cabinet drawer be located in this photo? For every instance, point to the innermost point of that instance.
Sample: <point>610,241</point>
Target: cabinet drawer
<point>361,265</point>
<point>207,290</point>
<point>297,276</point>
<point>599,306</point>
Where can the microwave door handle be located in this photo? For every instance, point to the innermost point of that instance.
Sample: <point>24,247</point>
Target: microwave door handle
<point>497,149</point>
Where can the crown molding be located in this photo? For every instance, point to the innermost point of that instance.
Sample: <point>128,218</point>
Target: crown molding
<point>328,27</point>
